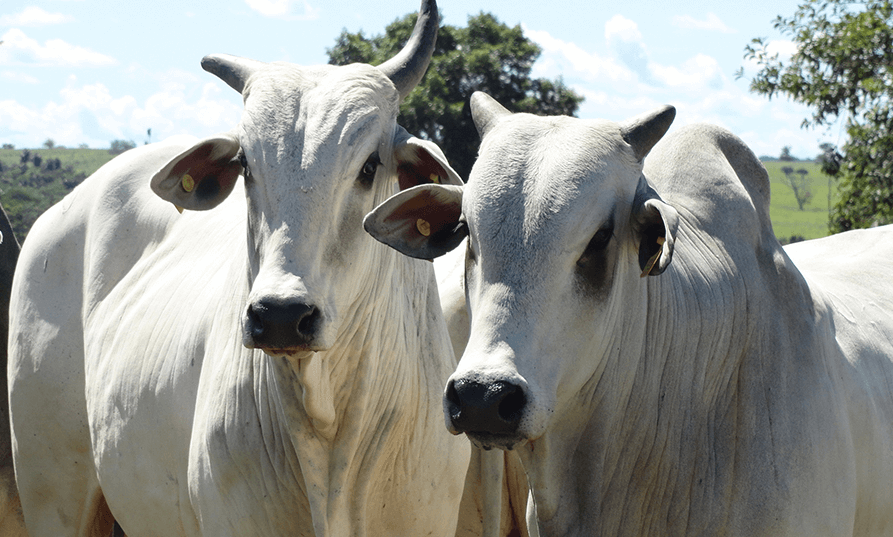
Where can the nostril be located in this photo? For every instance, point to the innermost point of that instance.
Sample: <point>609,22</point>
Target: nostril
<point>513,401</point>
<point>453,403</point>
<point>307,320</point>
<point>255,322</point>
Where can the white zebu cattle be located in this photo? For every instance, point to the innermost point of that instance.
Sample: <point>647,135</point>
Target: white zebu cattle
<point>262,368</point>
<point>726,394</point>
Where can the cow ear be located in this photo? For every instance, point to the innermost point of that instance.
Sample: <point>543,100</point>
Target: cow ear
<point>421,162</point>
<point>654,224</point>
<point>643,132</point>
<point>422,222</point>
<point>202,176</point>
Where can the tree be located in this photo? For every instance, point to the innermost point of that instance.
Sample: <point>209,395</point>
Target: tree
<point>800,185</point>
<point>49,143</point>
<point>786,154</point>
<point>487,55</point>
<point>120,146</point>
<point>842,69</point>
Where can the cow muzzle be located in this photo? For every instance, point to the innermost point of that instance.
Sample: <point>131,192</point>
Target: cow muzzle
<point>489,413</point>
<point>282,326</point>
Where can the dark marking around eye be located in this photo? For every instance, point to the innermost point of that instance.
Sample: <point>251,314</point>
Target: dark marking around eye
<point>596,266</point>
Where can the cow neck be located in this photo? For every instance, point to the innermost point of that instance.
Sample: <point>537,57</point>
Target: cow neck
<point>363,401</point>
<point>659,403</point>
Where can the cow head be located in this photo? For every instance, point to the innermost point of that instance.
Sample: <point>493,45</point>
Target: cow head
<point>562,226</point>
<point>317,148</point>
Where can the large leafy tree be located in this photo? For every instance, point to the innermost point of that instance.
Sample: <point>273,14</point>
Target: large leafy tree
<point>843,68</point>
<point>487,55</point>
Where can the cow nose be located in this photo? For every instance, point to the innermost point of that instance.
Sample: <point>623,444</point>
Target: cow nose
<point>493,408</point>
<point>277,325</point>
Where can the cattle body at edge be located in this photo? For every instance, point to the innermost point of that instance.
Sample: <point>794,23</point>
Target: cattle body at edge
<point>643,342</point>
<point>261,367</point>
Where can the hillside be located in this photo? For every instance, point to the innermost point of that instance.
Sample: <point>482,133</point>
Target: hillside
<point>29,187</point>
<point>26,189</point>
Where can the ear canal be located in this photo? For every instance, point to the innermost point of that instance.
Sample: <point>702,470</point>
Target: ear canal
<point>486,112</point>
<point>644,131</point>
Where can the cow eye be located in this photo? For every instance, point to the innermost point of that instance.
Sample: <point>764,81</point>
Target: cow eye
<point>243,161</point>
<point>367,174</point>
<point>598,243</point>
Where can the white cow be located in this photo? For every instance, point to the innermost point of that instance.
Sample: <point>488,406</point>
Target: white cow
<point>261,368</point>
<point>640,339</point>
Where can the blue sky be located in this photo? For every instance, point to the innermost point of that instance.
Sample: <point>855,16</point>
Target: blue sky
<point>90,71</point>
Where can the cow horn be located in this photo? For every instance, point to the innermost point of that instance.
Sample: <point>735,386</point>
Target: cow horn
<point>407,68</point>
<point>485,111</point>
<point>644,131</point>
<point>233,70</point>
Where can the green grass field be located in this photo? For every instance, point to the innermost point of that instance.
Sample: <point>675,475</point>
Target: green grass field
<point>787,219</point>
<point>82,160</point>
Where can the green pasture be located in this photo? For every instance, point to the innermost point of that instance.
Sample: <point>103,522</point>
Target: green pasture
<point>787,219</point>
<point>81,160</point>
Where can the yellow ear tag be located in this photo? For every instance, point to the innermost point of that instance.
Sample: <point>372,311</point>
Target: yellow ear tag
<point>653,260</point>
<point>423,226</point>
<point>179,209</point>
<point>434,178</point>
<point>188,183</point>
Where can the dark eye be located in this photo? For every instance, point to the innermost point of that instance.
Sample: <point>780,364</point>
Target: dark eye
<point>243,161</point>
<point>598,243</point>
<point>367,174</point>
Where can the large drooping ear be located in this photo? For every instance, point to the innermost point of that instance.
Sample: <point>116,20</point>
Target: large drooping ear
<point>654,225</point>
<point>423,222</point>
<point>421,162</point>
<point>202,176</point>
<point>642,132</point>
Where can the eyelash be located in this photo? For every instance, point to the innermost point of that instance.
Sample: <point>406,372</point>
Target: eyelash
<point>369,169</point>
<point>598,243</point>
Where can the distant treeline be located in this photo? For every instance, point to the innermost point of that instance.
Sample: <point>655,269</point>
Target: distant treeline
<point>32,180</point>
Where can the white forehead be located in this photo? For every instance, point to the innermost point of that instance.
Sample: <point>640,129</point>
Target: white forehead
<point>296,107</point>
<point>537,175</point>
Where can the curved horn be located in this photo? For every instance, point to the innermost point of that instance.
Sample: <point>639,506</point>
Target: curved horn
<point>233,70</point>
<point>407,68</point>
<point>485,112</point>
<point>644,131</point>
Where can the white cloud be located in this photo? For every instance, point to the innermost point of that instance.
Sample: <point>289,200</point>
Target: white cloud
<point>21,78</point>
<point>695,75</point>
<point>18,48</point>
<point>623,29</point>
<point>34,16</point>
<point>626,41</point>
<point>284,9</point>
<point>91,114</point>
<point>559,57</point>
<point>711,23</point>
<point>784,49</point>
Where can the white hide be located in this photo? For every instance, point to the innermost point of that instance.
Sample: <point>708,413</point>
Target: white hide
<point>132,395</point>
<point>737,393</point>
